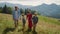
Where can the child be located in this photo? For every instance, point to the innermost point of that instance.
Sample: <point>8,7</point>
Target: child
<point>35,21</point>
<point>23,21</point>
<point>29,18</point>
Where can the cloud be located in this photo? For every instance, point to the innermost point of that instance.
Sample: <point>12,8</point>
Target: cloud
<point>32,2</point>
<point>19,0</point>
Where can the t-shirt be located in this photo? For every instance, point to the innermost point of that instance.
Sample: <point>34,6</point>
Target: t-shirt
<point>29,16</point>
<point>35,19</point>
<point>23,19</point>
<point>16,14</point>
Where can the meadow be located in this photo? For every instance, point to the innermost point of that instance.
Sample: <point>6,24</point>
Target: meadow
<point>46,25</point>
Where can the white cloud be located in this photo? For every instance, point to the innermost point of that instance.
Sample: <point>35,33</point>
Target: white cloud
<point>19,0</point>
<point>32,2</point>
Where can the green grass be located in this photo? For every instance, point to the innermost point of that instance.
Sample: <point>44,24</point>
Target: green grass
<point>49,20</point>
<point>45,25</point>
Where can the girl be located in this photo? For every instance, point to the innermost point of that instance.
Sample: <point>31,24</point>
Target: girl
<point>29,17</point>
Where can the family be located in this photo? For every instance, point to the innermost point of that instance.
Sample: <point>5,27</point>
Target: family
<point>32,19</point>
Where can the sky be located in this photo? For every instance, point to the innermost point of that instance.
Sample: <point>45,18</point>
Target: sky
<point>32,2</point>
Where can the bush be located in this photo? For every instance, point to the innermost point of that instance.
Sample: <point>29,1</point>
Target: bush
<point>0,10</point>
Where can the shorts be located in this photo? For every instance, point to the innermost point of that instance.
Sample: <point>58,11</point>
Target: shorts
<point>15,20</point>
<point>34,22</point>
<point>23,22</point>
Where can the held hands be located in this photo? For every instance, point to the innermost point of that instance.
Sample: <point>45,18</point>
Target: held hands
<point>20,18</point>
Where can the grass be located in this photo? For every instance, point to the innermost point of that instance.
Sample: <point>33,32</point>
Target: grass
<point>45,25</point>
<point>49,20</point>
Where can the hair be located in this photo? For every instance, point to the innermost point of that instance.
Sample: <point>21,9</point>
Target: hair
<point>16,7</point>
<point>23,14</point>
<point>29,11</point>
<point>35,13</point>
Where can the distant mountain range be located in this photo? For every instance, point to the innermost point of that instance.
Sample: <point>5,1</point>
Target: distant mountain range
<point>51,10</point>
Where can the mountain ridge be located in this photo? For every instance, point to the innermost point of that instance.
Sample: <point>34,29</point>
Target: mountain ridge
<point>51,10</point>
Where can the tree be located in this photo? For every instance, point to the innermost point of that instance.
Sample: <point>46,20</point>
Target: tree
<point>4,10</point>
<point>21,11</point>
<point>9,10</point>
<point>0,9</point>
<point>26,10</point>
<point>33,11</point>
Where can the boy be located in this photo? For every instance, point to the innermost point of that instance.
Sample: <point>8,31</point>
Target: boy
<point>23,21</point>
<point>35,21</point>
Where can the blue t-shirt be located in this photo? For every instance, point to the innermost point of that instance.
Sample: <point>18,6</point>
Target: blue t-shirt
<point>35,19</point>
<point>16,14</point>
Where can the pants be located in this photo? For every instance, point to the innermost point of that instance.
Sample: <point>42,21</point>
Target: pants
<point>30,24</point>
<point>16,22</point>
<point>34,26</point>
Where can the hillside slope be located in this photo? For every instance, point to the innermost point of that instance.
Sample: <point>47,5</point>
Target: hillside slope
<point>45,25</point>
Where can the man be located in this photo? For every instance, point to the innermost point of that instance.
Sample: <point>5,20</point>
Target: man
<point>16,15</point>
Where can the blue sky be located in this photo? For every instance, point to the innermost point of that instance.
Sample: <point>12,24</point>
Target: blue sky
<point>32,2</point>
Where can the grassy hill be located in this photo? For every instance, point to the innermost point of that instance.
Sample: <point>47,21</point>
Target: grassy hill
<point>45,25</point>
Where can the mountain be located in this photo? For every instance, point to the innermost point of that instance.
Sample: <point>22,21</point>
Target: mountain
<point>51,10</point>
